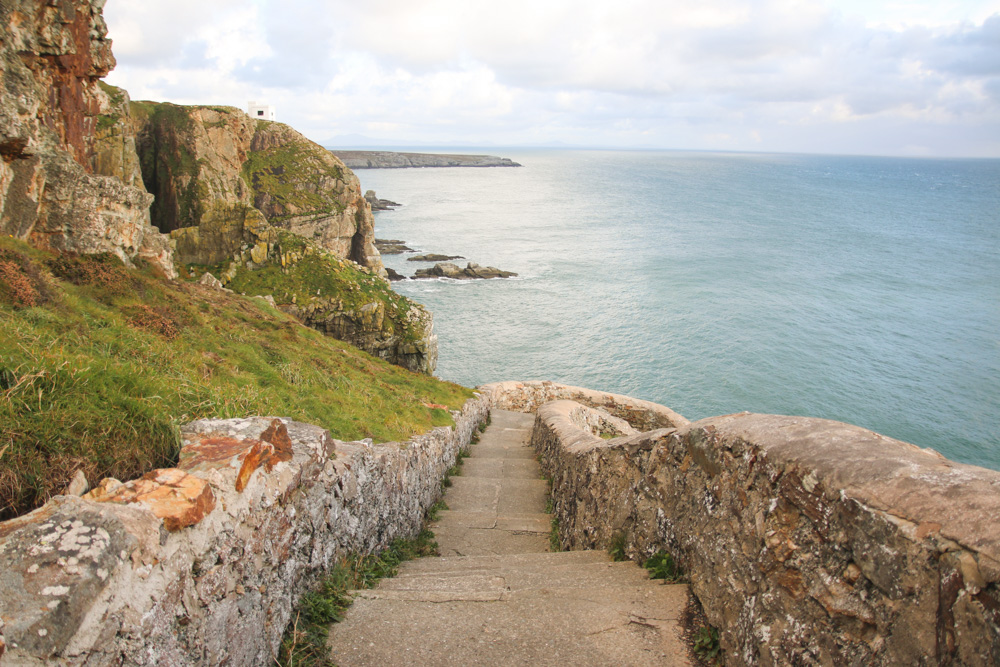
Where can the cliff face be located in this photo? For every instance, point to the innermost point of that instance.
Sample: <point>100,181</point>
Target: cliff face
<point>84,169</point>
<point>51,59</point>
<point>202,162</point>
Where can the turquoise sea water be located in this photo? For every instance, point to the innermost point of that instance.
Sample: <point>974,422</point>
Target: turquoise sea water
<point>860,289</point>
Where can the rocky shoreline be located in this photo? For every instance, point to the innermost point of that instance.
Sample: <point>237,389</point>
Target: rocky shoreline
<point>443,268</point>
<point>394,160</point>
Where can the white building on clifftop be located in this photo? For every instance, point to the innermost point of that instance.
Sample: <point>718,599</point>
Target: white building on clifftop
<point>260,111</point>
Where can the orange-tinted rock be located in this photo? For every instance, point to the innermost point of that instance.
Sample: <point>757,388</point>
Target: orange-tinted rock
<point>277,435</point>
<point>260,454</point>
<point>208,451</point>
<point>178,498</point>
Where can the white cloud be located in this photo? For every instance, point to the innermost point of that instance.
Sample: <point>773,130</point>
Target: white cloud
<point>639,73</point>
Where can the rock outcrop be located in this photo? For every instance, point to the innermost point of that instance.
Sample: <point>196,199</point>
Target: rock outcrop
<point>208,165</point>
<point>393,160</point>
<point>334,295</point>
<point>471,272</point>
<point>379,204</point>
<point>392,246</point>
<point>61,186</point>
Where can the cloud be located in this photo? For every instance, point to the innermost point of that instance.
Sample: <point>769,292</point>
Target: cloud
<point>636,73</point>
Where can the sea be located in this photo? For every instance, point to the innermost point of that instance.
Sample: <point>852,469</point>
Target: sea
<point>860,289</point>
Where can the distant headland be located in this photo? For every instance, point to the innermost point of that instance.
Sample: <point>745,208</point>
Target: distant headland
<point>393,160</point>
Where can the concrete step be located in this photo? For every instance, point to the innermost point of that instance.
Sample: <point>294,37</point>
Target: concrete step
<point>527,560</point>
<point>517,576</point>
<point>500,468</point>
<point>497,597</point>
<point>514,496</point>
<point>529,522</point>
<point>487,624</point>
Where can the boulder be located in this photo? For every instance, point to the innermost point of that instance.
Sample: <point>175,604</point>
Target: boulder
<point>393,275</point>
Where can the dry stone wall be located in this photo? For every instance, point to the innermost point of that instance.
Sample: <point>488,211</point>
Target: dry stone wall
<point>807,541</point>
<point>201,564</point>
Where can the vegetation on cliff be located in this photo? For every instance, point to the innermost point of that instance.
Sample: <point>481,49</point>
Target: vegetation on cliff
<point>301,273</point>
<point>288,178</point>
<point>101,364</point>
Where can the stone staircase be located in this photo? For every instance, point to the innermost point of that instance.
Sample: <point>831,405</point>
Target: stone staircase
<point>497,596</point>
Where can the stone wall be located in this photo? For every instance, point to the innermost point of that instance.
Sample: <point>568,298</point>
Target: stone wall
<point>807,541</point>
<point>201,564</point>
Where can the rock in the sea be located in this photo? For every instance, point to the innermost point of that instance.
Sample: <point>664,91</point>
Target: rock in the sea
<point>393,275</point>
<point>433,257</point>
<point>471,272</point>
<point>391,246</point>
<point>379,204</point>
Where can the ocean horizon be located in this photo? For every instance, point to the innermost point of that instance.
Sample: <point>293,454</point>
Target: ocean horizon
<point>860,289</point>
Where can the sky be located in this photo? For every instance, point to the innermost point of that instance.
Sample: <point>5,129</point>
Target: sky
<point>864,77</point>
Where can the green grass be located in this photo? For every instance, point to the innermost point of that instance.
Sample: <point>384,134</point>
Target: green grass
<point>322,276</point>
<point>304,644</point>
<point>555,544</point>
<point>100,365</point>
<point>293,175</point>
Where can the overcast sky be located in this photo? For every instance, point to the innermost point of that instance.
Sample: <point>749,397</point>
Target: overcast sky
<point>817,76</point>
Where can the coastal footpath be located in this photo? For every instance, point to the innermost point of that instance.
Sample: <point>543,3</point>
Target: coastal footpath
<point>393,160</point>
<point>805,541</point>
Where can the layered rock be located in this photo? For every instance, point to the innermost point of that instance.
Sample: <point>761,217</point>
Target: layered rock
<point>392,246</point>
<point>55,188</point>
<point>433,257</point>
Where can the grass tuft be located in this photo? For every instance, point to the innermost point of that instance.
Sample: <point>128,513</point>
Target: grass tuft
<point>304,644</point>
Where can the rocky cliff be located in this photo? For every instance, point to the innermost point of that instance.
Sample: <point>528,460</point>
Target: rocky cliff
<point>84,169</point>
<point>208,164</point>
<point>54,191</point>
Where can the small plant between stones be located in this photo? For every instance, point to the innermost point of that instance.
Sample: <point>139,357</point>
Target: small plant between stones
<point>662,565</point>
<point>616,549</point>
<point>706,645</point>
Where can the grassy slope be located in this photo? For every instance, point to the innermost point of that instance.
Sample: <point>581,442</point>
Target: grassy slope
<point>100,366</point>
<point>320,275</point>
